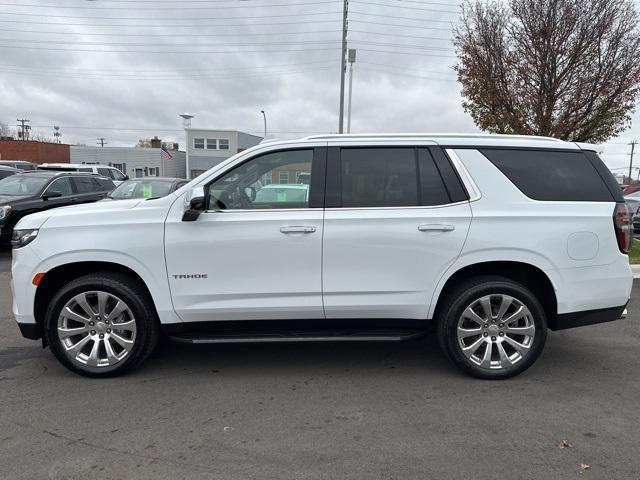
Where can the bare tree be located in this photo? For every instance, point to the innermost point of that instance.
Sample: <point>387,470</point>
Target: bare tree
<point>562,68</point>
<point>144,143</point>
<point>5,130</point>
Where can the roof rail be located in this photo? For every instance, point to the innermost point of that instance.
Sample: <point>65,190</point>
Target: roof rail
<point>431,135</point>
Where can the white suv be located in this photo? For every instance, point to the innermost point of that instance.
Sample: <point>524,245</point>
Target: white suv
<point>490,239</point>
<point>105,170</point>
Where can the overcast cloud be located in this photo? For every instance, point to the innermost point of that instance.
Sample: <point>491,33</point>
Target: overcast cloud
<point>125,69</point>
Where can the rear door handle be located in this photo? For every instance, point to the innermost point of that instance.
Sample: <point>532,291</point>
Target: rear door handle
<point>436,227</point>
<point>297,229</point>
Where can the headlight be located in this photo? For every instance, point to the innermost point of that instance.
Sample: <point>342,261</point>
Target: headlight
<point>4,212</point>
<point>23,237</point>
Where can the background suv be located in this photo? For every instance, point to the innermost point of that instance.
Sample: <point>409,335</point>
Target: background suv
<point>29,192</point>
<point>104,170</point>
<point>491,240</point>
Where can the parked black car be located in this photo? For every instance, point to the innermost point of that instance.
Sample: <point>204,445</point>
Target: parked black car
<point>19,164</point>
<point>7,171</point>
<point>30,192</point>
<point>146,187</point>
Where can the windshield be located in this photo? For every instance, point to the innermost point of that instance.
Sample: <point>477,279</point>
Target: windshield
<point>141,189</point>
<point>22,185</point>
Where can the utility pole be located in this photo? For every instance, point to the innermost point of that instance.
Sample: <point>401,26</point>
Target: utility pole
<point>23,127</point>
<point>343,66</point>
<point>352,60</point>
<point>633,146</point>
<point>101,142</point>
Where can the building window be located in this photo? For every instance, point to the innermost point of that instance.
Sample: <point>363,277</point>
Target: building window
<point>196,173</point>
<point>267,178</point>
<point>198,143</point>
<point>223,144</point>
<point>212,144</point>
<point>154,172</point>
<point>283,177</point>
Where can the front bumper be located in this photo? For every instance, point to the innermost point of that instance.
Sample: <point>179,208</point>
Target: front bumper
<point>587,317</point>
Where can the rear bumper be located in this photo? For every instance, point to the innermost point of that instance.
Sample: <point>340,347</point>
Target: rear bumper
<point>587,317</point>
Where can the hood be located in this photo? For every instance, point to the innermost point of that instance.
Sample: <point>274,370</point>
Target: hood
<point>36,220</point>
<point>11,199</point>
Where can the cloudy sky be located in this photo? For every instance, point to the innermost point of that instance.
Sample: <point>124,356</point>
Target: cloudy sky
<point>125,69</point>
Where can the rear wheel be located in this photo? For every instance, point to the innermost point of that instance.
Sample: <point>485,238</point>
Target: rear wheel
<point>101,325</point>
<point>492,327</point>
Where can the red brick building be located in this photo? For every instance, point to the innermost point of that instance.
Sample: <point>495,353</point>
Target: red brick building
<point>36,152</point>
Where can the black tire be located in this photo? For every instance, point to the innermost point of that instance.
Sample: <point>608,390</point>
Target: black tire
<point>462,296</point>
<point>137,299</point>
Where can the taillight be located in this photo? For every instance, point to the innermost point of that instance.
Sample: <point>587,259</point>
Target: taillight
<point>623,227</point>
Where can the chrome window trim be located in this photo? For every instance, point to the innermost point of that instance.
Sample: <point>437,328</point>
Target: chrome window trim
<point>252,210</point>
<point>467,180</point>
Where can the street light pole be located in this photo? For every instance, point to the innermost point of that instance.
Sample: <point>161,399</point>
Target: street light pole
<point>343,66</point>
<point>265,123</point>
<point>186,123</point>
<point>352,60</point>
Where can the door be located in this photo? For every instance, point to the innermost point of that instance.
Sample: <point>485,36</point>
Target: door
<point>88,189</point>
<point>255,253</point>
<point>396,218</point>
<point>63,186</point>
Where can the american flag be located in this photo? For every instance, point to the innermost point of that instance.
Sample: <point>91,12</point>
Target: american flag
<point>164,153</point>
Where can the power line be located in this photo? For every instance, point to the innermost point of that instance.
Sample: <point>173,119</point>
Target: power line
<point>241,34</point>
<point>172,25</point>
<point>399,35</point>
<point>138,72</point>
<point>448,29</point>
<point>368,3</point>
<point>428,20</point>
<point>198,52</point>
<point>377,70</point>
<point>170,18</point>
<point>387,65</point>
<point>182,7</point>
<point>158,78</point>
<point>393,52</point>
<point>127,44</point>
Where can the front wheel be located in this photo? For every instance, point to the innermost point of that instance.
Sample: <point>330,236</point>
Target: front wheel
<point>492,327</point>
<point>101,325</point>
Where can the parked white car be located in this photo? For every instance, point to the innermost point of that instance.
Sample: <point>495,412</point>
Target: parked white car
<point>104,170</point>
<point>490,239</point>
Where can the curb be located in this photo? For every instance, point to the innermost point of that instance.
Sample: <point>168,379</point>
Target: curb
<point>636,271</point>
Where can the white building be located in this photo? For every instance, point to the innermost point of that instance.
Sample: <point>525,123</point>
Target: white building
<point>206,148</point>
<point>134,162</point>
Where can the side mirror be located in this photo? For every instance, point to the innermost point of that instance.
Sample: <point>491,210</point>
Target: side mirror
<point>51,194</point>
<point>195,203</point>
<point>126,177</point>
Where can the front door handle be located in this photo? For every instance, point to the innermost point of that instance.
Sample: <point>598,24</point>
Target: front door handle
<point>297,229</point>
<point>436,227</point>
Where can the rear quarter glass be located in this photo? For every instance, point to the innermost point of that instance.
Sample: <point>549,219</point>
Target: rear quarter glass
<point>552,175</point>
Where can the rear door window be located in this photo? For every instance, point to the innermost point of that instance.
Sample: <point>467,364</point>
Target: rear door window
<point>379,177</point>
<point>85,184</point>
<point>390,177</point>
<point>551,175</point>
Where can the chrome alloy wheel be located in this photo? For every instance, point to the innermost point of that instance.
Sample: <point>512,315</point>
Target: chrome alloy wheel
<point>96,329</point>
<point>496,331</point>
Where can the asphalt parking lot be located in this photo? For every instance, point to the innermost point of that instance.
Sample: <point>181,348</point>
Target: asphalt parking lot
<point>323,411</point>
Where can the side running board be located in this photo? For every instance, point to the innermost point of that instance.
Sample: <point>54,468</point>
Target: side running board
<point>304,336</point>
